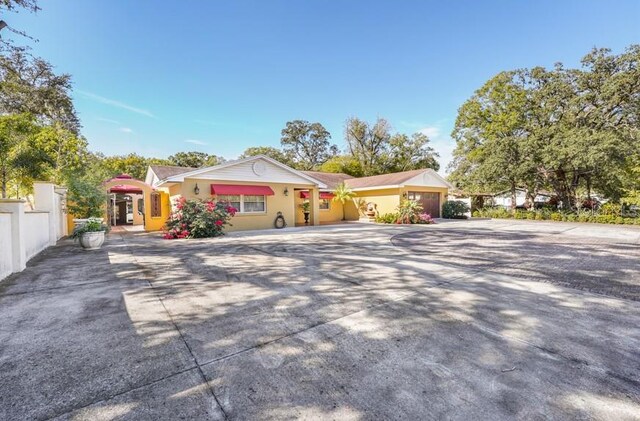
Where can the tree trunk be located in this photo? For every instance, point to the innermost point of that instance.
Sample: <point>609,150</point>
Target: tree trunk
<point>4,183</point>
<point>513,197</point>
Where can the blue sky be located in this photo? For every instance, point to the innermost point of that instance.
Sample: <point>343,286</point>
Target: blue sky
<point>158,77</point>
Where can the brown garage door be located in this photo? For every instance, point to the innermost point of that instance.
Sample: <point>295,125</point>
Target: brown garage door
<point>430,201</point>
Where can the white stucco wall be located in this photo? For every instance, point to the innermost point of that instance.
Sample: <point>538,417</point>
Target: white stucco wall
<point>5,245</point>
<point>36,232</point>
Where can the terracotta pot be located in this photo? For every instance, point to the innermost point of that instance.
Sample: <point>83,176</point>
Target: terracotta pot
<point>92,240</point>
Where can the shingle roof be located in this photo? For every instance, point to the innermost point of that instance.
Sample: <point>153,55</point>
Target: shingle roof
<point>165,171</point>
<point>330,179</point>
<point>392,179</point>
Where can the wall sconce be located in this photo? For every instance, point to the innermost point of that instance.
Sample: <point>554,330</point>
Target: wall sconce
<point>404,195</point>
<point>286,191</point>
<point>196,189</point>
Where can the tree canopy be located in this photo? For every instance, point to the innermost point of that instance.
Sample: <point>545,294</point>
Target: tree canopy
<point>307,144</point>
<point>195,159</point>
<point>567,130</point>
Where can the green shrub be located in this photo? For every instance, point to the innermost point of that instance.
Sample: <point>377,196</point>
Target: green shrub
<point>409,211</point>
<point>198,219</point>
<point>612,209</point>
<point>454,209</point>
<point>85,199</point>
<point>387,218</point>
<point>476,214</point>
<point>556,216</point>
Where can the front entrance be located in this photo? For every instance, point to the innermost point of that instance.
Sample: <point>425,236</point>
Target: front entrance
<point>429,201</point>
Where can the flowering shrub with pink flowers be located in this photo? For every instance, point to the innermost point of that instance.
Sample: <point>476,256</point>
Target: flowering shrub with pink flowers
<point>198,219</point>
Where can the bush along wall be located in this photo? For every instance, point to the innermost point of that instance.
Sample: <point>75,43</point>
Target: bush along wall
<point>550,215</point>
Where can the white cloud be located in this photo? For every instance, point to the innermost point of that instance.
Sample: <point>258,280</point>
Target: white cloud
<point>432,132</point>
<point>108,120</point>
<point>115,103</point>
<point>196,142</point>
<point>126,130</point>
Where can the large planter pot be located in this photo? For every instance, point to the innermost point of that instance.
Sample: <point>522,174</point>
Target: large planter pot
<point>92,240</point>
<point>306,217</point>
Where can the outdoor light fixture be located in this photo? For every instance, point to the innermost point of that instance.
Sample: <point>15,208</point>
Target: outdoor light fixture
<point>196,189</point>
<point>286,191</point>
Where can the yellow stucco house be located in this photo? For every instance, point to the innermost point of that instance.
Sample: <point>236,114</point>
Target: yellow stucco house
<point>261,187</point>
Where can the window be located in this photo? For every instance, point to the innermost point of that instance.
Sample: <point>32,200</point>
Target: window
<point>325,204</point>
<point>253,204</point>
<point>231,199</point>
<point>156,208</point>
<point>245,203</point>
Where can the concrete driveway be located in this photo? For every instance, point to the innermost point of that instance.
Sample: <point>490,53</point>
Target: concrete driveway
<point>460,320</point>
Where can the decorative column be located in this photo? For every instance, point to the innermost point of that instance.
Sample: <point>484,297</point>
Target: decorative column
<point>18,252</point>
<point>45,201</point>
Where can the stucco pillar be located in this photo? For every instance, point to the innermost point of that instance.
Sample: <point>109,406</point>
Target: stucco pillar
<point>18,252</point>
<point>314,200</point>
<point>44,197</point>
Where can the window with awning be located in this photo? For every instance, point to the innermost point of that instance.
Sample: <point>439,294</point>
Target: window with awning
<point>237,189</point>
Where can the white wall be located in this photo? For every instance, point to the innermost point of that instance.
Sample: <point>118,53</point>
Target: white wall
<point>36,232</point>
<point>23,234</point>
<point>5,245</point>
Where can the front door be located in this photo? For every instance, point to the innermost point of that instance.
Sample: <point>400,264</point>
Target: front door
<point>429,201</point>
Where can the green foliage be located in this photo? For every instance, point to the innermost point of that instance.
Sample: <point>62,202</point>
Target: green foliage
<point>609,208</point>
<point>198,219</point>
<point>343,194</point>
<point>409,211</point>
<point>388,218</point>
<point>343,164</point>
<point>455,209</point>
<point>91,225</point>
<point>195,159</point>
<point>271,152</point>
<point>307,144</point>
<point>608,217</point>
<point>85,198</point>
<point>568,130</point>
<point>305,206</point>
<point>29,85</point>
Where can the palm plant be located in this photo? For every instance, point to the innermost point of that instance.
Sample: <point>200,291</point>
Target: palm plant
<point>408,211</point>
<point>343,194</point>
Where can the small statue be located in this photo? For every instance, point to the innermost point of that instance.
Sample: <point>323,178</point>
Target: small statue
<point>371,209</point>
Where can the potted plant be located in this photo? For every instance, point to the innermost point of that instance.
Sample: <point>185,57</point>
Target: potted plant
<point>90,234</point>
<point>306,209</point>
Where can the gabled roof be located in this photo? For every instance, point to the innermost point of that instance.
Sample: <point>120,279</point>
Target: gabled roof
<point>165,171</point>
<point>195,172</point>
<point>393,179</point>
<point>330,179</point>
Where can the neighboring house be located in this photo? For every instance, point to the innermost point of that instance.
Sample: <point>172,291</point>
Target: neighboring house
<point>260,187</point>
<point>504,198</point>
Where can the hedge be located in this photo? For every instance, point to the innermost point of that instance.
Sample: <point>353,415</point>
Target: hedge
<point>547,215</point>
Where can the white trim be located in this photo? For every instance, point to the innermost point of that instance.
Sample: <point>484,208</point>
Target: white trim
<point>194,173</point>
<point>394,186</point>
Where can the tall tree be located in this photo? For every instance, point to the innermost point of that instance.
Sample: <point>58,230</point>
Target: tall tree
<point>65,151</point>
<point>195,159</point>
<point>270,151</point>
<point>19,159</point>
<point>307,144</point>
<point>491,138</point>
<point>410,153</point>
<point>29,85</point>
<point>368,143</point>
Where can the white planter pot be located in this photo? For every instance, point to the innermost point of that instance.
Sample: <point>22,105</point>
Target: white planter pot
<point>92,240</point>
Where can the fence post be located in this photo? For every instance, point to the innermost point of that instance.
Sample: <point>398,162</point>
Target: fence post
<point>18,251</point>
<point>44,198</point>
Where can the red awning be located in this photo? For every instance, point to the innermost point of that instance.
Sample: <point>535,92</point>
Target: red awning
<point>323,194</point>
<point>241,189</point>
<point>125,189</point>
